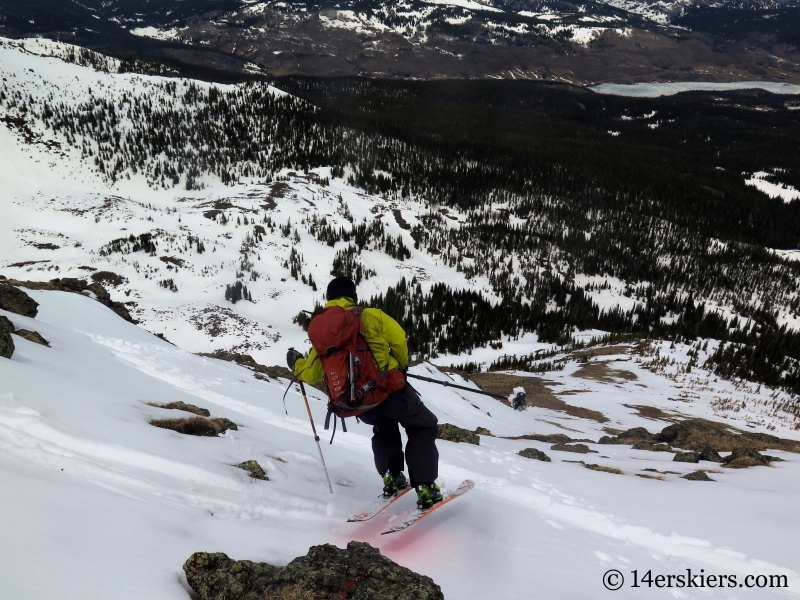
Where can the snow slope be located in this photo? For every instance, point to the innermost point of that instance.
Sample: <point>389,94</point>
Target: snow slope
<point>110,506</point>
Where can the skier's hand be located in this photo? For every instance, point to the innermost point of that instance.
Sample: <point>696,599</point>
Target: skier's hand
<point>291,358</point>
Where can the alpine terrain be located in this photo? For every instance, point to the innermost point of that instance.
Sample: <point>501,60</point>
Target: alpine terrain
<point>179,186</point>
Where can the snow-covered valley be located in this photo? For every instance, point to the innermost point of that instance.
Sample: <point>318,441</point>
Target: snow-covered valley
<point>110,506</point>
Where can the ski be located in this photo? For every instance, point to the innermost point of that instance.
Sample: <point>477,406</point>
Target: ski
<point>378,506</point>
<point>417,515</point>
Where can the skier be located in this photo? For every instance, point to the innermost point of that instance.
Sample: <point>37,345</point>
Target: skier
<point>386,341</point>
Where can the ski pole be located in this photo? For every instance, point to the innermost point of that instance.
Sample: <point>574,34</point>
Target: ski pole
<point>316,437</point>
<point>519,399</point>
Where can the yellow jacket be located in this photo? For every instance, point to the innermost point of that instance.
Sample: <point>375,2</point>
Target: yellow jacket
<point>385,337</point>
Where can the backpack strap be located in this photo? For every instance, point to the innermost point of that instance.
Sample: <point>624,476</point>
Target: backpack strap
<point>328,422</point>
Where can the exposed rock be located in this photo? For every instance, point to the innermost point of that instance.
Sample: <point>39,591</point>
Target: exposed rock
<point>550,438</point>
<point>710,454</point>
<point>196,426</point>
<point>359,572</point>
<point>179,405</point>
<point>741,458</point>
<point>483,431</point>
<point>32,336</point>
<point>78,286</point>
<point>6,324</point>
<point>255,470</point>
<point>579,448</point>
<point>6,343</point>
<point>698,476</point>
<point>698,435</point>
<point>631,436</point>
<point>108,278</point>
<point>635,434</point>
<point>689,457</point>
<point>15,300</point>
<point>452,433</point>
<point>535,454</point>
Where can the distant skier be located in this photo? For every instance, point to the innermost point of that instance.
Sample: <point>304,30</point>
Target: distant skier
<point>367,380</point>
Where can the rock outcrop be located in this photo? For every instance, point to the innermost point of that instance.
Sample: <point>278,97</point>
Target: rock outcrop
<point>577,448</point>
<point>534,454</point>
<point>255,470</point>
<point>358,572</point>
<point>452,433</point>
<point>32,336</point>
<point>6,341</point>
<point>197,425</point>
<point>15,300</point>
<point>698,476</point>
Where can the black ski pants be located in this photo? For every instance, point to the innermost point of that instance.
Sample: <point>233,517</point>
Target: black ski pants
<point>405,408</point>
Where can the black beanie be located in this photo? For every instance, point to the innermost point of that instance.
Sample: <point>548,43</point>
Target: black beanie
<point>341,287</point>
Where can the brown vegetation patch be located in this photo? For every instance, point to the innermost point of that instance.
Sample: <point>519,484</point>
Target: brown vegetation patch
<point>646,476</point>
<point>604,469</point>
<point>600,371</point>
<point>179,405</point>
<point>537,394</point>
<point>196,426</point>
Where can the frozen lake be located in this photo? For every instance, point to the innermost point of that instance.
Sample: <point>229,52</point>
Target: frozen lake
<point>653,90</point>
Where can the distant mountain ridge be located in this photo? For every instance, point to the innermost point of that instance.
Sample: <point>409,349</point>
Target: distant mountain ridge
<point>576,41</point>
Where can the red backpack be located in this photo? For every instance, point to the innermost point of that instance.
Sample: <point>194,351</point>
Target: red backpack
<point>354,382</point>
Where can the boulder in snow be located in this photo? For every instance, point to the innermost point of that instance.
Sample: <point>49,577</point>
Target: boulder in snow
<point>453,433</point>
<point>32,336</point>
<point>708,453</point>
<point>579,448</point>
<point>255,470</point>
<point>534,454</point>
<point>6,342</point>
<point>196,426</point>
<point>745,457</point>
<point>15,300</point>
<point>358,572</point>
<point>698,476</point>
<point>689,457</point>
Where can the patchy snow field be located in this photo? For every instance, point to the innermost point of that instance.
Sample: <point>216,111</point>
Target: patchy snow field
<point>785,192</point>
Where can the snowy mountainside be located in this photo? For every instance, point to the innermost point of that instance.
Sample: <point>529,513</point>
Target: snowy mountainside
<point>186,192</point>
<point>58,225</point>
<point>95,491</point>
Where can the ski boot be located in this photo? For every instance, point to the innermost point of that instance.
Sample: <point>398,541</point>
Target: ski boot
<point>428,494</point>
<point>393,483</point>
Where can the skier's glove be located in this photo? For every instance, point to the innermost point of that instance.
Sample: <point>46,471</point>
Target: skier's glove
<point>291,358</point>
